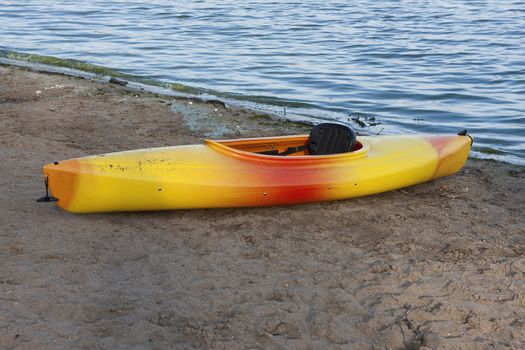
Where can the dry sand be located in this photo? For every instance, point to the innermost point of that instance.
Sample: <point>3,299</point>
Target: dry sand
<point>440,265</point>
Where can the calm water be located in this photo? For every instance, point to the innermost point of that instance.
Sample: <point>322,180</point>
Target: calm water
<point>407,66</point>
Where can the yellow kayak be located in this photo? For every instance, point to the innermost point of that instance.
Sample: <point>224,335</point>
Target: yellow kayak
<point>250,172</point>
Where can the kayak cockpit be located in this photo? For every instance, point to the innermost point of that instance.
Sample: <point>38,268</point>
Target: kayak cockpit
<point>325,139</point>
<point>274,146</point>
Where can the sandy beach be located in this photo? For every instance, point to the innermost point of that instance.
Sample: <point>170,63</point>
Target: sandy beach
<point>440,265</point>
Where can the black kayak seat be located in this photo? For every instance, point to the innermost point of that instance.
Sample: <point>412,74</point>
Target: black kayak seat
<point>331,138</point>
<point>325,138</point>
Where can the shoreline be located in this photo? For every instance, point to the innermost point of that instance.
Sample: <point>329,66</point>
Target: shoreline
<point>74,68</point>
<point>79,69</point>
<point>439,265</point>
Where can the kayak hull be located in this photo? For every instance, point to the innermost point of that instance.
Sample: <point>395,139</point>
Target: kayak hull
<point>229,174</point>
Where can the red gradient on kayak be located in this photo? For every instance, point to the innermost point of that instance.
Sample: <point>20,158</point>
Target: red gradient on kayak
<point>299,188</point>
<point>439,142</point>
<point>446,148</point>
<point>293,184</point>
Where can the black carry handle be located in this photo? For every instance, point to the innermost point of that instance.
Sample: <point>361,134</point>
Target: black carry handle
<point>47,198</point>
<point>464,133</point>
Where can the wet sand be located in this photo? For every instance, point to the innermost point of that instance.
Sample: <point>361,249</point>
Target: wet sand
<point>435,266</point>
